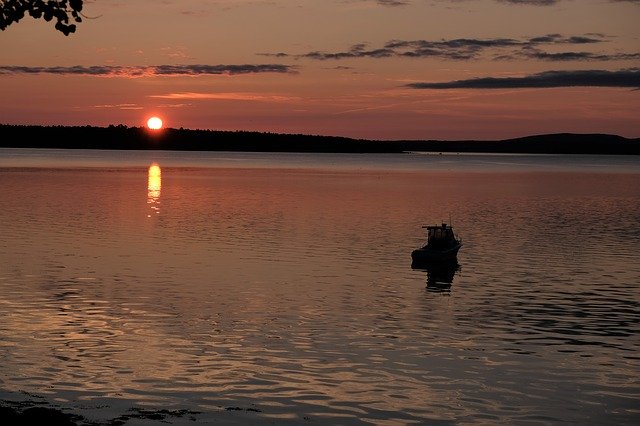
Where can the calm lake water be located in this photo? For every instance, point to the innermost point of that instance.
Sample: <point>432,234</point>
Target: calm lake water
<point>277,288</point>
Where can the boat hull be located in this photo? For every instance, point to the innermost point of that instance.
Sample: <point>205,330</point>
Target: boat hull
<point>427,255</point>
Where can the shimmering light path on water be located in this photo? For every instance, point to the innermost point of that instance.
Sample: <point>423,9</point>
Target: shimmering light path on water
<point>287,290</point>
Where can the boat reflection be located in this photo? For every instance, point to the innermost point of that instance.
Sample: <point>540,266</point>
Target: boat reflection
<point>154,185</point>
<point>439,274</point>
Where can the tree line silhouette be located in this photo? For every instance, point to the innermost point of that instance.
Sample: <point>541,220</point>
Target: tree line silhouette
<point>140,138</point>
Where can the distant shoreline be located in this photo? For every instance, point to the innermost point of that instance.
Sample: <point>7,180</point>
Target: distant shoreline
<point>138,138</point>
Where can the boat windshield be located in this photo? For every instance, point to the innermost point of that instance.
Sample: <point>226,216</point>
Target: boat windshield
<point>440,233</point>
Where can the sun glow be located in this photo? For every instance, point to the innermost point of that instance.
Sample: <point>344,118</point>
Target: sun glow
<point>154,123</point>
<point>154,170</point>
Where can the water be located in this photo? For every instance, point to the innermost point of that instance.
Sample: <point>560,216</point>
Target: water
<point>276,288</point>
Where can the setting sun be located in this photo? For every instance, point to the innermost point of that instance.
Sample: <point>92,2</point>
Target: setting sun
<point>154,123</point>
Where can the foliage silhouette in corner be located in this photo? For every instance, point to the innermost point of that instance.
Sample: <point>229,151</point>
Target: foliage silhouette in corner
<point>65,12</point>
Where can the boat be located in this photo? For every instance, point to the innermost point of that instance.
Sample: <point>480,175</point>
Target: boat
<point>442,245</point>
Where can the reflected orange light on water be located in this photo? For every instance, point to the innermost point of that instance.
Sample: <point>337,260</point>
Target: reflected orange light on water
<point>154,185</point>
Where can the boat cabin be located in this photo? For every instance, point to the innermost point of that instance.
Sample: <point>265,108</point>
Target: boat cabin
<point>440,235</point>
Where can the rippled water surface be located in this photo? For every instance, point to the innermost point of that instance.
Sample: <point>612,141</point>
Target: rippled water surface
<point>280,285</point>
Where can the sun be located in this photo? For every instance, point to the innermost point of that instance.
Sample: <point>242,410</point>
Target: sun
<point>154,123</point>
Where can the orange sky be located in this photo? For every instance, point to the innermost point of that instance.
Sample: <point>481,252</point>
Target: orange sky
<point>360,68</point>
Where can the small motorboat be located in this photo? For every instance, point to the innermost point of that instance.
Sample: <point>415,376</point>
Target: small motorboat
<point>442,245</point>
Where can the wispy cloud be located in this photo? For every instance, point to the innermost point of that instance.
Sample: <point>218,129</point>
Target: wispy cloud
<point>531,2</point>
<point>236,96</point>
<point>150,71</point>
<point>552,2</point>
<point>185,105</point>
<point>118,106</point>
<point>393,2</point>
<point>588,78</point>
<point>509,2</point>
<point>176,52</point>
<point>474,48</point>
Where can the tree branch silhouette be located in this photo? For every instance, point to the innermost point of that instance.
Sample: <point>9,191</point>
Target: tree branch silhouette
<point>65,12</point>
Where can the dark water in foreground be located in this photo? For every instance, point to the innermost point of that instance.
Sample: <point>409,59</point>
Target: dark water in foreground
<point>280,284</point>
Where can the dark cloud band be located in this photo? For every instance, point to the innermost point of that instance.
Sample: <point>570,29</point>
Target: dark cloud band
<point>588,78</point>
<point>575,56</point>
<point>474,48</point>
<point>151,71</point>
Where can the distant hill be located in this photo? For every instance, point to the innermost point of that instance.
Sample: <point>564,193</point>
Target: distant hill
<point>559,143</point>
<point>139,138</point>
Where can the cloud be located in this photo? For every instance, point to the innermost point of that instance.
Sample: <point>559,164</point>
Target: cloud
<point>177,53</point>
<point>560,39</point>
<point>234,96</point>
<point>456,49</point>
<point>578,56</point>
<point>356,51</point>
<point>118,106</point>
<point>508,2</point>
<point>393,2</point>
<point>473,48</point>
<point>150,71</point>
<point>531,2</point>
<point>587,78</point>
<point>552,2</point>
<point>386,3</point>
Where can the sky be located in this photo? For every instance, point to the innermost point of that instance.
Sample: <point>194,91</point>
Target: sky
<point>378,69</point>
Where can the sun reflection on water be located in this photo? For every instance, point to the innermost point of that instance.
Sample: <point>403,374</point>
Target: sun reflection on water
<point>153,188</point>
